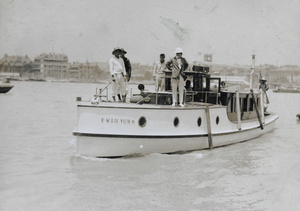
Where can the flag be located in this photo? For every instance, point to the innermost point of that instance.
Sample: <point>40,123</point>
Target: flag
<point>208,57</point>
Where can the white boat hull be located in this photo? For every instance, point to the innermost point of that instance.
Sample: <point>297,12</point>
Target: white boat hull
<point>111,131</point>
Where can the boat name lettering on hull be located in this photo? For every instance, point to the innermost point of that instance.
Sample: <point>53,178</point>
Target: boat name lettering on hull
<point>117,121</point>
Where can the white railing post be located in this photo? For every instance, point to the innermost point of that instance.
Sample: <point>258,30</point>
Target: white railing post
<point>208,125</point>
<point>252,70</point>
<point>193,99</point>
<point>106,94</point>
<point>262,106</point>
<point>156,98</point>
<point>238,110</point>
<point>100,91</point>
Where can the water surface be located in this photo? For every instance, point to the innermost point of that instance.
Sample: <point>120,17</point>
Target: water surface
<point>39,168</point>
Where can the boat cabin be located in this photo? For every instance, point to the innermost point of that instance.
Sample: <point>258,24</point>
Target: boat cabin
<point>207,89</point>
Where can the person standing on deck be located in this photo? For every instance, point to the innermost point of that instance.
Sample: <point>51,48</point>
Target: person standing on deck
<point>127,68</point>
<point>158,73</point>
<point>264,88</point>
<point>178,65</point>
<point>117,72</point>
<point>126,63</point>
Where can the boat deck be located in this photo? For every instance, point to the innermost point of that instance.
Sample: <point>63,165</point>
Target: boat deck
<point>188,106</point>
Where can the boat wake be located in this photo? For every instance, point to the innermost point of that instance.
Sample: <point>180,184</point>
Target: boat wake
<point>85,157</point>
<point>135,155</point>
<point>90,158</point>
<point>194,154</point>
<point>73,141</point>
<point>198,155</point>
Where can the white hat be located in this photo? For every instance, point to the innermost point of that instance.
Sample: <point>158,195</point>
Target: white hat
<point>116,48</point>
<point>178,50</point>
<point>122,49</point>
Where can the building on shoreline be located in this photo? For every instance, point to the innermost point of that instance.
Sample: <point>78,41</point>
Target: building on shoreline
<point>51,65</point>
<point>286,74</point>
<point>88,71</point>
<point>57,66</point>
<point>15,64</point>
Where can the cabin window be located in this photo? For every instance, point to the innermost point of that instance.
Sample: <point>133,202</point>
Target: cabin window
<point>176,121</point>
<point>217,120</point>
<point>231,105</point>
<point>214,84</point>
<point>251,105</point>
<point>142,121</point>
<point>245,104</point>
<point>199,121</point>
<point>234,104</point>
<point>204,83</point>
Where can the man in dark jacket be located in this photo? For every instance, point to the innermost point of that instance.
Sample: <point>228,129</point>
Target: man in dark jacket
<point>127,64</point>
<point>127,68</point>
<point>178,65</point>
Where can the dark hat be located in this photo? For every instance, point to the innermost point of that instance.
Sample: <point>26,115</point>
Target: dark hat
<point>122,49</point>
<point>115,49</point>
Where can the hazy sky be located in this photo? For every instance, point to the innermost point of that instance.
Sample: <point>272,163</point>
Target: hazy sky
<point>231,30</point>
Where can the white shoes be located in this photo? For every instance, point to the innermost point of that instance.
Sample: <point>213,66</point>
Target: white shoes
<point>181,105</point>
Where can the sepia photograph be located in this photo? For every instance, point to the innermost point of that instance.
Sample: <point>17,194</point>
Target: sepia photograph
<point>149,105</point>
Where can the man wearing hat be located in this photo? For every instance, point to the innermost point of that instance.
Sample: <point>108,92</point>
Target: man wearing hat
<point>264,87</point>
<point>126,63</point>
<point>178,65</point>
<point>117,72</point>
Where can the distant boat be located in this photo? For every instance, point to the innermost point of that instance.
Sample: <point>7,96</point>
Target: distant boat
<point>287,89</point>
<point>14,79</point>
<point>11,76</point>
<point>36,79</point>
<point>5,88</point>
<point>298,116</point>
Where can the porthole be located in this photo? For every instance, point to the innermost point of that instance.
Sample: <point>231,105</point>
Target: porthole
<point>217,120</point>
<point>199,121</point>
<point>176,122</point>
<point>142,121</point>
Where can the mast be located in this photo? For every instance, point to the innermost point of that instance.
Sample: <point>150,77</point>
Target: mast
<point>252,70</point>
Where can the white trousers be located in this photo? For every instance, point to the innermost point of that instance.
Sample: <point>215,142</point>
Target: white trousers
<point>180,85</point>
<point>119,86</point>
<point>160,83</point>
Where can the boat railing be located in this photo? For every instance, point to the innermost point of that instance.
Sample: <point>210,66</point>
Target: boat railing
<point>205,94</point>
<point>98,96</point>
<point>191,96</point>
